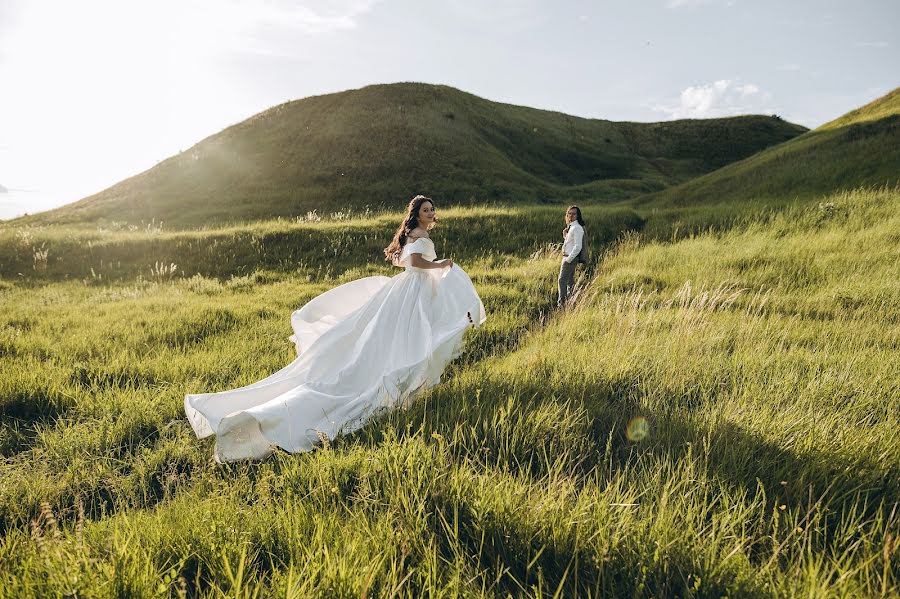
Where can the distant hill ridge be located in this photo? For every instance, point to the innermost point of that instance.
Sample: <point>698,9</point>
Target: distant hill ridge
<point>858,149</point>
<point>378,145</point>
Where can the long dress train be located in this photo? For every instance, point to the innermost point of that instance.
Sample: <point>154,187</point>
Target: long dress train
<point>367,345</point>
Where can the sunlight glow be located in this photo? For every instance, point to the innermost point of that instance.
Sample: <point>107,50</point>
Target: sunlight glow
<point>128,84</point>
<point>638,429</point>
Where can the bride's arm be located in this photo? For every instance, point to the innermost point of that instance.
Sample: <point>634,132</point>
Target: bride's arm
<point>418,261</point>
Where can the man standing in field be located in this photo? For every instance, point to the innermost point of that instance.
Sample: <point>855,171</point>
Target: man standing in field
<point>574,251</point>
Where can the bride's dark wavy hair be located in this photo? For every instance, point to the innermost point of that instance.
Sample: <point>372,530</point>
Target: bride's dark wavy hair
<point>410,222</point>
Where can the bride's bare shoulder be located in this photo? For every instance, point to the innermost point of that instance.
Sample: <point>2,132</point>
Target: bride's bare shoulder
<point>418,233</point>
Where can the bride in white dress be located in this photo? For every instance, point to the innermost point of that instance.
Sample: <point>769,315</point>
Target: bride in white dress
<point>362,347</point>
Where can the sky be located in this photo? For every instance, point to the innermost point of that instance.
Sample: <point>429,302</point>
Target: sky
<point>94,91</point>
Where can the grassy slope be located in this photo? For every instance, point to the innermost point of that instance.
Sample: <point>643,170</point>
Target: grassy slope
<point>861,148</point>
<point>759,358</point>
<point>876,110</point>
<point>379,144</point>
<point>331,245</point>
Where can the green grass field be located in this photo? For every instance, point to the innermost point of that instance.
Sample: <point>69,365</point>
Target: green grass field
<point>716,415</point>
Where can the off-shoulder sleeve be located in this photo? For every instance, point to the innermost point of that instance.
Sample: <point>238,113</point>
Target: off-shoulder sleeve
<point>419,246</point>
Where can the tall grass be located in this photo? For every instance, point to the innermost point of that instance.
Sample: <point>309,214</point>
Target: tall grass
<point>305,248</point>
<point>713,416</point>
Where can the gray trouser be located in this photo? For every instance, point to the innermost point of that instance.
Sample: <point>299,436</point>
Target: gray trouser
<point>566,281</point>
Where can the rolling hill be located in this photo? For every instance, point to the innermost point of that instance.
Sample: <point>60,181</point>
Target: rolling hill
<point>858,149</point>
<point>380,144</point>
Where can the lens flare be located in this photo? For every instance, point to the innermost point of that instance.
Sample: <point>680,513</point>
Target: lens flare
<point>638,429</point>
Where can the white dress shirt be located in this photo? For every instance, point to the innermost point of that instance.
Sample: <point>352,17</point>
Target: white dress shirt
<point>572,244</point>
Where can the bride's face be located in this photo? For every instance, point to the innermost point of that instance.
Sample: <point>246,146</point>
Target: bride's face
<point>426,214</point>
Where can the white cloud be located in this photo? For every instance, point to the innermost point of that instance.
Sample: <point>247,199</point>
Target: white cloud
<point>724,97</point>
<point>675,4</point>
<point>196,28</point>
<point>507,15</point>
<point>685,3</point>
<point>310,16</point>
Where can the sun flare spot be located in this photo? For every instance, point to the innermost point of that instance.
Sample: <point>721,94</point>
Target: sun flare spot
<point>638,429</point>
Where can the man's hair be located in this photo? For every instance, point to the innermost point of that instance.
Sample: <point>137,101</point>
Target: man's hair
<point>578,210</point>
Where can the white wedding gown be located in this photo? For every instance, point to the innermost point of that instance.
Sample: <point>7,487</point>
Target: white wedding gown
<point>367,345</point>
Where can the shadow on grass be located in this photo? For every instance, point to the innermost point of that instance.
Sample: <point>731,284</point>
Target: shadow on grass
<point>23,410</point>
<point>135,478</point>
<point>582,431</point>
<point>599,414</point>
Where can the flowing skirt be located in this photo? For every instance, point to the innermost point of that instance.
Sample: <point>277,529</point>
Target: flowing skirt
<point>364,346</point>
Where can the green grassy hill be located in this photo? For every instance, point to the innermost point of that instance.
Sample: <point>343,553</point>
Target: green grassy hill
<point>379,145</point>
<point>861,148</point>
